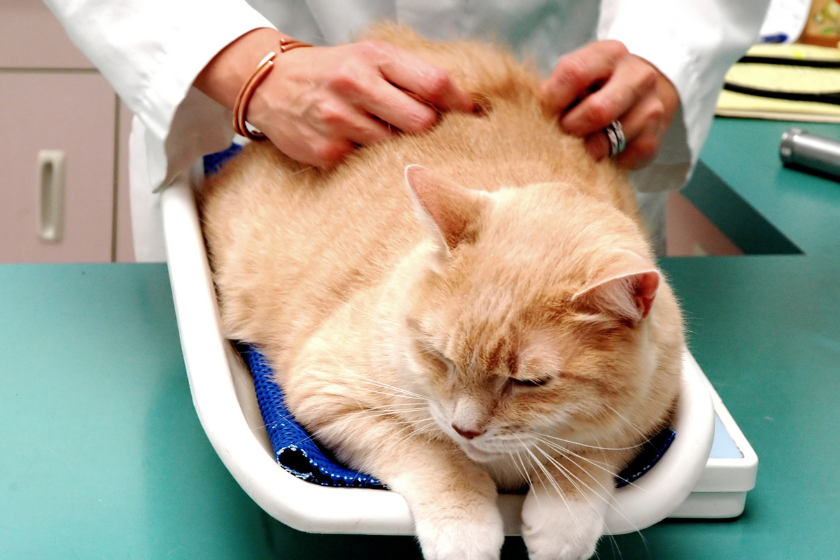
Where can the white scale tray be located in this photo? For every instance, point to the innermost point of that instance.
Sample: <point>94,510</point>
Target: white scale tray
<point>679,485</point>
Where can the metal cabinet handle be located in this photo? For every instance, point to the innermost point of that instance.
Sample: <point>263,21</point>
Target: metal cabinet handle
<point>51,173</point>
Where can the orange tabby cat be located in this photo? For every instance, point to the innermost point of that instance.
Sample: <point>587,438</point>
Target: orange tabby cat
<point>469,309</point>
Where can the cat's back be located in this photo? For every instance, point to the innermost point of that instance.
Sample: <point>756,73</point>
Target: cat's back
<point>289,243</point>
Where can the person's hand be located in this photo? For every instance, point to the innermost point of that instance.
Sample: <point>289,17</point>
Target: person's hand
<point>317,104</point>
<point>601,83</point>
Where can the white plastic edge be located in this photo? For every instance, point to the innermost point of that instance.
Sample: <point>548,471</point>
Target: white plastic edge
<point>301,505</point>
<point>312,508</point>
<point>662,489</point>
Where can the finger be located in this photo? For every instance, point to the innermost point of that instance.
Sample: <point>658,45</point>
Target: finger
<point>343,119</point>
<point>579,71</point>
<point>363,129</point>
<point>631,82</point>
<point>359,81</point>
<point>431,83</point>
<point>647,125</point>
<point>338,133</point>
<point>397,108</point>
<point>642,126</point>
<point>598,145</point>
<point>313,149</point>
<point>328,152</point>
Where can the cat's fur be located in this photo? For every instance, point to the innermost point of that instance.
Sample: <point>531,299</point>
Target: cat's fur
<point>507,293</point>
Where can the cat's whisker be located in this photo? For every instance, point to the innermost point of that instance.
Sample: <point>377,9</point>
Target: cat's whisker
<point>369,414</point>
<point>604,466</point>
<point>567,453</point>
<point>299,171</point>
<point>580,485</point>
<point>397,391</point>
<point>547,475</point>
<point>399,409</point>
<point>524,470</point>
<point>519,470</point>
<point>626,421</point>
<point>568,473</point>
<point>402,426</point>
<point>392,391</point>
<point>598,447</point>
<point>568,456</point>
<point>412,433</point>
<point>358,415</point>
<point>571,477</point>
<point>398,406</point>
<point>287,416</point>
<point>555,485</point>
<point>616,550</point>
<point>411,400</point>
<point>368,380</point>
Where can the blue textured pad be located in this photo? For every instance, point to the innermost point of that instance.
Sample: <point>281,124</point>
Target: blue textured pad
<point>297,453</point>
<point>214,162</point>
<point>649,454</point>
<point>293,448</point>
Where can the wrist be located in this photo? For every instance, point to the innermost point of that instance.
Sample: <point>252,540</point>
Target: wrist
<point>223,77</point>
<point>666,91</point>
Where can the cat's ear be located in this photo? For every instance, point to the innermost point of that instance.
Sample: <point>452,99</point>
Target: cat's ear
<point>446,209</point>
<point>625,288</point>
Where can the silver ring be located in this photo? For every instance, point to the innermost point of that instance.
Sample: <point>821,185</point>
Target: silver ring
<point>615,134</point>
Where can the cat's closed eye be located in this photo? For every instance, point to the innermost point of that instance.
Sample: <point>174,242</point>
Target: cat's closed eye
<point>538,382</point>
<point>434,356</point>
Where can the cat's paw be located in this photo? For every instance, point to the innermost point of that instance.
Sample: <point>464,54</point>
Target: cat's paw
<point>562,527</point>
<point>472,536</point>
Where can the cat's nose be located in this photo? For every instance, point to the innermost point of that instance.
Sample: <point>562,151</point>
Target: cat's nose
<point>466,433</point>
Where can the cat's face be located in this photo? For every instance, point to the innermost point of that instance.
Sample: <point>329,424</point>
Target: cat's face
<point>527,331</point>
<point>510,375</point>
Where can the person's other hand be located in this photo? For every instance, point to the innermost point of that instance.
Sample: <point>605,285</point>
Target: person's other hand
<point>317,104</point>
<point>601,83</point>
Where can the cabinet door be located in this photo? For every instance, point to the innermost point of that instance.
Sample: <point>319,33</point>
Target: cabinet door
<point>31,37</point>
<point>690,234</point>
<point>73,113</point>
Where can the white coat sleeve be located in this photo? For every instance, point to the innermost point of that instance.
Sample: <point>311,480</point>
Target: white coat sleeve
<point>151,51</point>
<point>693,43</point>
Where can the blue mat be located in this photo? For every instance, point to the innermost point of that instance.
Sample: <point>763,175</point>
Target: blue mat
<point>293,448</point>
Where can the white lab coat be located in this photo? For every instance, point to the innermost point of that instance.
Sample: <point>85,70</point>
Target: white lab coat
<point>152,50</point>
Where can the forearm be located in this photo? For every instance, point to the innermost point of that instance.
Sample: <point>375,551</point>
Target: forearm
<point>222,78</point>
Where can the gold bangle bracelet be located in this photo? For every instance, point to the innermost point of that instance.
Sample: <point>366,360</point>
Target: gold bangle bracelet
<point>240,107</point>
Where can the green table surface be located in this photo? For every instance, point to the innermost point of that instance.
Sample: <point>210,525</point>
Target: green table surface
<point>102,456</point>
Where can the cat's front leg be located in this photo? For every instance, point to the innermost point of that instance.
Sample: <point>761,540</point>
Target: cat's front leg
<point>452,500</point>
<point>563,514</point>
<point>453,503</point>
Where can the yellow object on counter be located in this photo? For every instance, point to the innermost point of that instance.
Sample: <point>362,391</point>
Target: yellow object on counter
<point>783,78</point>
